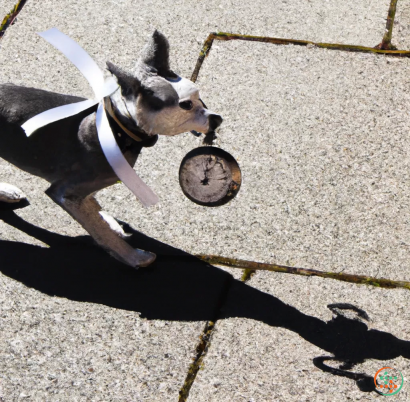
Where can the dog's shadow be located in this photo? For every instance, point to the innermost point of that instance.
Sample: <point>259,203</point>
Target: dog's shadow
<point>179,287</point>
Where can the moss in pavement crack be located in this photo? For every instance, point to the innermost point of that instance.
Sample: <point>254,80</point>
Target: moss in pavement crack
<point>196,365</point>
<point>10,18</point>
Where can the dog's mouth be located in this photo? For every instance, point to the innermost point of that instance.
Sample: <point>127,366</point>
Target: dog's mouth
<point>214,122</point>
<point>209,139</point>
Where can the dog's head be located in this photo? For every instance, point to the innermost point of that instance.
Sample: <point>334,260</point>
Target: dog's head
<point>158,100</point>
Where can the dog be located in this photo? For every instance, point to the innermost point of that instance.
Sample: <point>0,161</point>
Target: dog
<point>152,100</point>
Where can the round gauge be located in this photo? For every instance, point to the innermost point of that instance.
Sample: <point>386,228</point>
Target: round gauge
<point>209,176</point>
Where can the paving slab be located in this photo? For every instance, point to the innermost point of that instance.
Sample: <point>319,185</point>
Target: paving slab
<point>76,325</point>
<point>323,150</point>
<point>270,356</point>
<point>320,137</point>
<point>53,349</point>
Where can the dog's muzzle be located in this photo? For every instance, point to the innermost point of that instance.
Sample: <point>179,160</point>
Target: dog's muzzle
<point>214,121</point>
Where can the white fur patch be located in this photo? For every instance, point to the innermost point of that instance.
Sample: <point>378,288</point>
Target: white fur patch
<point>114,225</point>
<point>184,88</point>
<point>10,194</point>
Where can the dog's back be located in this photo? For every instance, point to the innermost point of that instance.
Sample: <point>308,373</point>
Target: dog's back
<point>49,148</point>
<point>18,104</point>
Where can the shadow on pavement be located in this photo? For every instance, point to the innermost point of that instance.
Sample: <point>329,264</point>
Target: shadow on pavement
<point>179,287</point>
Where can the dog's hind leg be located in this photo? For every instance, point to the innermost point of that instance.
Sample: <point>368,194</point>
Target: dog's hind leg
<point>10,194</point>
<point>86,211</point>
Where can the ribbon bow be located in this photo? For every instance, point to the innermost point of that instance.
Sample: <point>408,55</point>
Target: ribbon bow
<point>102,88</point>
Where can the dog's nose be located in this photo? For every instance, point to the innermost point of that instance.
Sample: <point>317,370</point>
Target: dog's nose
<point>214,121</point>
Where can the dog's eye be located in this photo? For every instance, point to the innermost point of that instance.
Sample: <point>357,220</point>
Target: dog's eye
<point>186,105</point>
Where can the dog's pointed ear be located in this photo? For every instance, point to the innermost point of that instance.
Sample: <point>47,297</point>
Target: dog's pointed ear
<point>156,54</point>
<point>128,83</point>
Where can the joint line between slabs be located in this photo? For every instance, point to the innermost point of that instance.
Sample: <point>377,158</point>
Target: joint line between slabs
<point>10,18</point>
<point>387,37</point>
<point>203,346</point>
<point>252,266</point>
<point>226,36</point>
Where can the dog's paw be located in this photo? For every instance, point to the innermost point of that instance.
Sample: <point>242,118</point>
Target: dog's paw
<point>114,225</point>
<point>11,194</point>
<point>135,257</point>
<point>144,258</point>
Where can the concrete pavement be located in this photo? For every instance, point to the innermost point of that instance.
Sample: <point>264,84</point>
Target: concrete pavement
<point>321,138</point>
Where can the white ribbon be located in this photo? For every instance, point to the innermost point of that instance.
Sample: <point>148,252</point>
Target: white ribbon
<point>87,66</point>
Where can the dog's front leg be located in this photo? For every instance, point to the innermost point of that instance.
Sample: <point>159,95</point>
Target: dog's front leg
<point>86,211</point>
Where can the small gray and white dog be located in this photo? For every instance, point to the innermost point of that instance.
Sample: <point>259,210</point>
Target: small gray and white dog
<point>152,100</point>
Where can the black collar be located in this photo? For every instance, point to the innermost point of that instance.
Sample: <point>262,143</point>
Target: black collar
<point>126,127</point>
